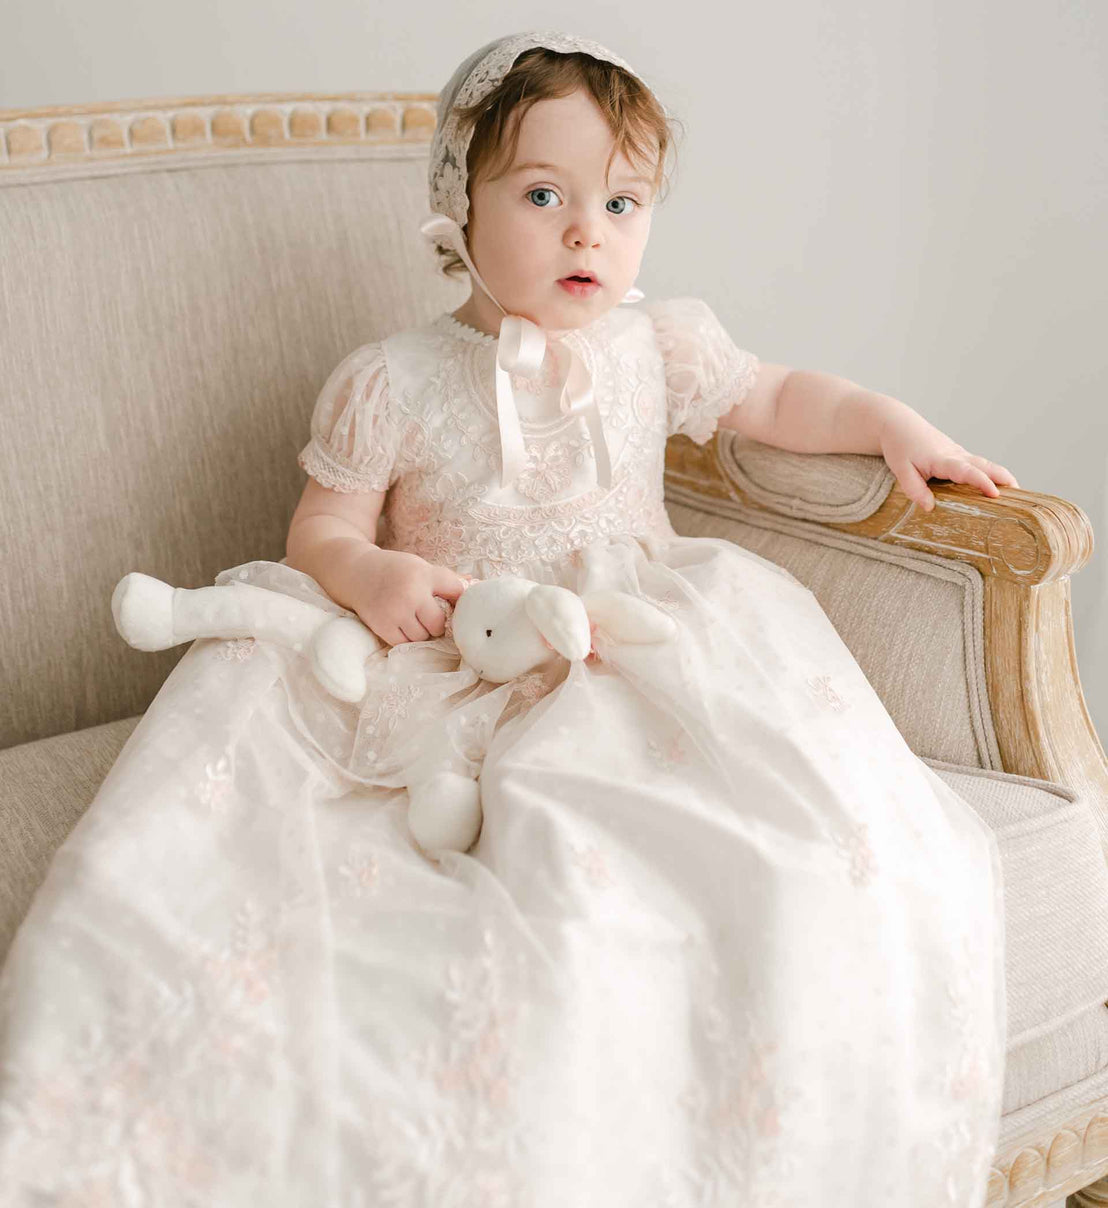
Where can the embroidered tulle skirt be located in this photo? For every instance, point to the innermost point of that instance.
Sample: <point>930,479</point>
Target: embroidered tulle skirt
<point>723,939</point>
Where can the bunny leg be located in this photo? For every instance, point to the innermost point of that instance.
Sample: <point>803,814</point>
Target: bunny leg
<point>444,812</point>
<point>339,650</point>
<point>241,611</point>
<point>142,608</point>
<point>152,615</point>
<point>444,803</point>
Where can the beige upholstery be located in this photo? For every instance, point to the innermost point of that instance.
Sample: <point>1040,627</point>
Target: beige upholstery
<point>929,677</point>
<point>165,334</point>
<point>45,786</point>
<point>176,285</point>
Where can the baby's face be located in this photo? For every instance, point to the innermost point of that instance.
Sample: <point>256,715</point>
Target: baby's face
<point>533,226</point>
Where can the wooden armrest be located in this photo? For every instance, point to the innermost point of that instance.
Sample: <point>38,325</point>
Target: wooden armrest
<point>1025,545</point>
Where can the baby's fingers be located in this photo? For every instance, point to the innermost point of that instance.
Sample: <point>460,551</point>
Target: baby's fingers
<point>413,630</point>
<point>388,634</point>
<point>997,472</point>
<point>961,469</point>
<point>432,616</point>
<point>911,482</point>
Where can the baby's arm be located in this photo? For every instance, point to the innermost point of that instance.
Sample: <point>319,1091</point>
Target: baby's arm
<point>824,413</point>
<point>331,537</point>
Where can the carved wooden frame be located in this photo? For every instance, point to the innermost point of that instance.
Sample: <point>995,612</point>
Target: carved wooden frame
<point>130,130</point>
<point>1025,544</point>
<point>1068,1160</point>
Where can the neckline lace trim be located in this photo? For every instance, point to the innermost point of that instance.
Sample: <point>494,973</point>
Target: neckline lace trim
<point>465,332</point>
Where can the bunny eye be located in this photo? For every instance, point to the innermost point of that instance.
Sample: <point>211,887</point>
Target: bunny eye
<point>488,633</point>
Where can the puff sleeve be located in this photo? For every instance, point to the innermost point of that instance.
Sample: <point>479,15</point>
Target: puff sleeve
<point>356,431</point>
<point>706,373</point>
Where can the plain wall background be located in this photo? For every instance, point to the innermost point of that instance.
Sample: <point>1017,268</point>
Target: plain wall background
<point>909,193</point>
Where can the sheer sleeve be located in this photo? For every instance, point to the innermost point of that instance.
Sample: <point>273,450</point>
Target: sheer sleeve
<point>706,374</point>
<point>356,431</point>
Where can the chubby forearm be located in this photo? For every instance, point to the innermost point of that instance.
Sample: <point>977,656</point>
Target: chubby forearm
<point>823,413</point>
<point>333,551</point>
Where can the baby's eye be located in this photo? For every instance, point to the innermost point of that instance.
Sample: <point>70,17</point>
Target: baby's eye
<point>541,190</point>
<point>630,202</point>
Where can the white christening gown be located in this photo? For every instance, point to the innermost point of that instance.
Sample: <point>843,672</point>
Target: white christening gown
<point>724,941</point>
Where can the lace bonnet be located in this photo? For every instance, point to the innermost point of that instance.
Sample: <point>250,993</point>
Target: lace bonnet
<point>521,345</point>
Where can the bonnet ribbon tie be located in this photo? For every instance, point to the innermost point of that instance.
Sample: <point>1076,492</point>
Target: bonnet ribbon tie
<point>521,349</point>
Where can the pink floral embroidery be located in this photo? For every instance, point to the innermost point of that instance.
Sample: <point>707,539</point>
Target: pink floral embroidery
<point>547,473</point>
<point>531,687</point>
<point>670,753</point>
<point>238,649</point>
<point>545,379</point>
<point>473,524</point>
<point>471,733</point>
<point>216,790</point>
<point>478,1060</point>
<point>242,967</point>
<point>107,1093</point>
<point>958,1153</point>
<point>362,873</point>
<point>384,712</point>
<point>820,686</point>
<point>967,1075</point>
<point>855,848</point>
<point>739,1109</point>
<point>706,374</point>
<point>472,1127</point>
<point>670,602</point>
<point>592,860</point>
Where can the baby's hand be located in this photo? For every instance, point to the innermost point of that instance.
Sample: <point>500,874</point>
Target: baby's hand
<point>398,595</point>
<point>915,451</point>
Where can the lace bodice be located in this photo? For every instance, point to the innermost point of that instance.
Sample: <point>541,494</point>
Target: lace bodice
<point>415,414</point>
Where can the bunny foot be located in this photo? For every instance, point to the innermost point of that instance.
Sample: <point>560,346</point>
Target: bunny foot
<point>142,608</point>
<point>444,811</point>
<point>340,648</point>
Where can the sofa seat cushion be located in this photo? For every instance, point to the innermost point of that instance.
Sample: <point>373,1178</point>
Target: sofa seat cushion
<point>1056,896</point>
<point>1062,1057</point>
<point>45,786</point>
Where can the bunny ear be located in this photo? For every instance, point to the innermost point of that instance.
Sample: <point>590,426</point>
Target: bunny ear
<point>560,617</point>
<point>628,618</point>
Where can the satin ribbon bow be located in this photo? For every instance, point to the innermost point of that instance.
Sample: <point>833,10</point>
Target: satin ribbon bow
<point>521,349</point>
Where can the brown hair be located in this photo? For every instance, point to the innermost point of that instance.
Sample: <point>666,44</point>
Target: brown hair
<point>640,127</point>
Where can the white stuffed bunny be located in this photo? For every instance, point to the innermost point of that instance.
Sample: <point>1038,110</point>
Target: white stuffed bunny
<point>503,627</point>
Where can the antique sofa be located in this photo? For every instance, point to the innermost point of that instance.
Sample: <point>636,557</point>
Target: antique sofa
<point>177,278</point>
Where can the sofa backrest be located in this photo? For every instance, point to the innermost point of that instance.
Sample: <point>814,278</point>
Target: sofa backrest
<point>176,284</point>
